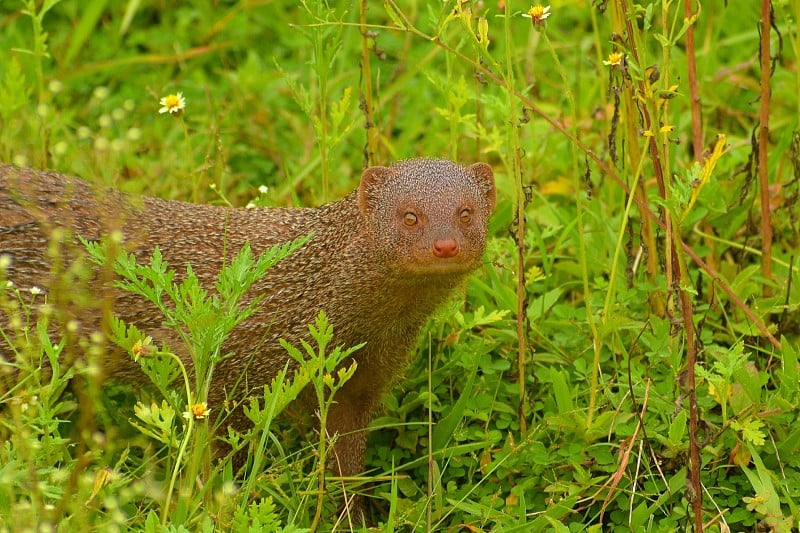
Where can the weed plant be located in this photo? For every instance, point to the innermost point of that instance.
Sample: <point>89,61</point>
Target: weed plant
<point>627,360</point>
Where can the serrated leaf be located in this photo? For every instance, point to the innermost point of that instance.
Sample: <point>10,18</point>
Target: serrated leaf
<point>157,421</point>
<point>750,430</point>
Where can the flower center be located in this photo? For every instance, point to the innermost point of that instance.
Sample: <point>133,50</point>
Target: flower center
<point>536,12</point>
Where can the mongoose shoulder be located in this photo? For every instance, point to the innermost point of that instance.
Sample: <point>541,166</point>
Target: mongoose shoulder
<point>379,262</point>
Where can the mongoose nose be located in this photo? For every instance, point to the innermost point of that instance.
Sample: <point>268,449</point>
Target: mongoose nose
<point>444,248</point>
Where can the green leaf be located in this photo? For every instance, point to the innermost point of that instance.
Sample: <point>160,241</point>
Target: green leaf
<point>562,391</point>
<point>158,422</point>
<point>678,429</point>
<point>444,429</point>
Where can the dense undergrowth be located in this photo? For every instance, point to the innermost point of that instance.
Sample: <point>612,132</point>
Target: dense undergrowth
<point>626,360</point>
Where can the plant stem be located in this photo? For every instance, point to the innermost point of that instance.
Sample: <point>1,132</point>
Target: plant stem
<point>322,445</point>
<point>634,151</point>
<point>597,341</point>
<point>371,146</point>
<point>184,442</point>
<point>520,231</point>
<point>763,141</point>
<point>695,463</point>
<point>694,93</point>
<point>612,277</point>
<point>431,464</point>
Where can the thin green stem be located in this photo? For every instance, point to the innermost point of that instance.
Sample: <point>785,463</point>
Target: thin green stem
<point>184,442</point>
<point>744,247</point>
<point>612,278</point>
<point>322,445</point>
<point>596,340</point>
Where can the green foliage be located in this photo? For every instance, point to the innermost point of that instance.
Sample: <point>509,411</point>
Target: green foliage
<point>175,424</point>
<point>203,320</point>
<point>588,428</point>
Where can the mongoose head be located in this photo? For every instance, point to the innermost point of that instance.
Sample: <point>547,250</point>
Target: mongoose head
<point>428,216</point>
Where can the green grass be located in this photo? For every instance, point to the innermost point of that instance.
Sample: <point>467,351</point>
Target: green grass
<point>559,396</point>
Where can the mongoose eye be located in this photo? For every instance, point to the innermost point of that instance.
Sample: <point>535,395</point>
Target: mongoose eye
<point>465,216</point>
<point>410,219</point>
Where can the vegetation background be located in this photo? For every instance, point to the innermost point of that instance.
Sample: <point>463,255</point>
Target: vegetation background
<point>624,361</point>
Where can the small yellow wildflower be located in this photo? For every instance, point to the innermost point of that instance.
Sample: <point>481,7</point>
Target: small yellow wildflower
<point>142,348</point>
<point>537,14</point>
<point>614,59</point>
<point>174,104</point>
<point>197,410</point>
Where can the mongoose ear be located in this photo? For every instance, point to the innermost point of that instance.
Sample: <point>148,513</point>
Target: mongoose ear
<point>372,180</point>
<point>484,177</point>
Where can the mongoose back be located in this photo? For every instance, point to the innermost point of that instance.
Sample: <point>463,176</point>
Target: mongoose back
<point>379,263</point>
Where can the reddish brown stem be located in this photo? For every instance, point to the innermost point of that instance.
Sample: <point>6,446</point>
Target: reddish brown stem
<point>674,274</point>
<point>694,93</point>
<point>763,141</point>
<point>687,313</point>
<point>686,301</point>
<point>371,146</point>
<point>648,123</point>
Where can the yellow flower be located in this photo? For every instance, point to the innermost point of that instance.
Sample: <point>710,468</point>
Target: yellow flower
<point>537,13</point>
<point>173,104</point>
<point>614,59</point>
<point>142,348</point>
<point>197,410</point>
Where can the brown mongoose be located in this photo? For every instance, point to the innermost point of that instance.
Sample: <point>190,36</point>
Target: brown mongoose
<point>379,262</point>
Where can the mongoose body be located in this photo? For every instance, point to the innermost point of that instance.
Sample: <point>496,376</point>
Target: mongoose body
<point>379,263</point>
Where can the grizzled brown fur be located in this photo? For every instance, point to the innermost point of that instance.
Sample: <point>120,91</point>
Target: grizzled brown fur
<point>379,263</point>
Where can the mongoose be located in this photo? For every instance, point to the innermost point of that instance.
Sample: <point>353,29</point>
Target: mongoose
<point>379,263</point>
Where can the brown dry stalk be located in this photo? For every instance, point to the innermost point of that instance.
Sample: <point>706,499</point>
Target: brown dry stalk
<point>694,93</point>
<point>763,141</point>
<point>695,462</point>
<point>371,146</point>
